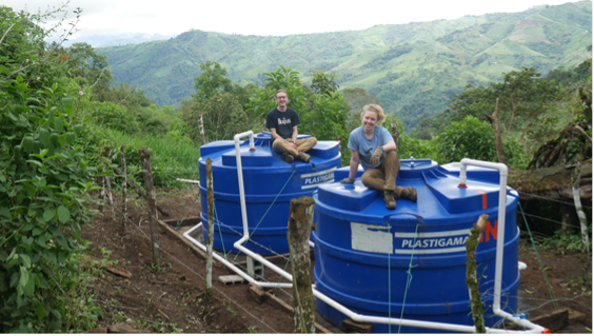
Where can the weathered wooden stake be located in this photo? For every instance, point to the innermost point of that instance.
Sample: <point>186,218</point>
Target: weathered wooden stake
<point>583,224</point>
<point>494,119</point>
<point>145,159</point>
<point>107,184</point>
<point>300,225</point>
<point>210,235</point>
<point>202,137</point>
<point>124,187</point>
<point>471,279</point>
<point>395,133</point>
<point>338,139</point>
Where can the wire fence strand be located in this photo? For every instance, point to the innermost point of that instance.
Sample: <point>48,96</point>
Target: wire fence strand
<point>201,277</point>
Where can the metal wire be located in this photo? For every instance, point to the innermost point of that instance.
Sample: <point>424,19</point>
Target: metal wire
<point>550,220</point>
<point>544,273</point>
<point>199,275</point>
<point>551,199</point>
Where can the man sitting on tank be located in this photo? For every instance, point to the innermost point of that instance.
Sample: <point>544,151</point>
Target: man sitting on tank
<point>282,122</point>
<point>374,148</point>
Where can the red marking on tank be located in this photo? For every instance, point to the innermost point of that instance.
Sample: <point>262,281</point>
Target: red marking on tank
<point>484,198</point>
<point>489,231</point>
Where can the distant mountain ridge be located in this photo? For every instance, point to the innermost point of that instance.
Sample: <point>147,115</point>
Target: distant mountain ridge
<point>101,41</point>
<point>412,68</point>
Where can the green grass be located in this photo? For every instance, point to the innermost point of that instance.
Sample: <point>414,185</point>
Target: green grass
<point>170,159</point>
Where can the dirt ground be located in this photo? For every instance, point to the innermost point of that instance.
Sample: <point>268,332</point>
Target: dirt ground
<point>171,298</point>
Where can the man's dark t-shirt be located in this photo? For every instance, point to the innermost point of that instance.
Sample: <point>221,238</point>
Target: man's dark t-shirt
<point>283,122</point>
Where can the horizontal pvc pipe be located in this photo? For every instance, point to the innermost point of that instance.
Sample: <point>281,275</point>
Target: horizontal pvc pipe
<point>231,265</point>
<point>258,257</point>
<point>188,181</point>
<point>522,266</point>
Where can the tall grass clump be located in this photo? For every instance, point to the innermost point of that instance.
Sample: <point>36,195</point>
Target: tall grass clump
<point>172,156</point>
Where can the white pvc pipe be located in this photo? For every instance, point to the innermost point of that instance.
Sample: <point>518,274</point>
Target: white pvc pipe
<point>231,265</point>
<point>240,174</point>
<point>500,234</point>
<point>188,181</point>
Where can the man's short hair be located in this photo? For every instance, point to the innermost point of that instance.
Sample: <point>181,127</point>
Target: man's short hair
<point>278,91</point>
<point>379,111</point>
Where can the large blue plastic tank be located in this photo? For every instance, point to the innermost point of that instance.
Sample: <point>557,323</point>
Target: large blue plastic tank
<point>269,184</point>
<point>364,251</point>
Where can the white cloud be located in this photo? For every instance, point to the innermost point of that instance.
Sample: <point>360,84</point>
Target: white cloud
<point>266,17</point>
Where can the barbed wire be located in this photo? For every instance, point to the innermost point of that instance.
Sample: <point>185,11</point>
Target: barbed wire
<point>199,275</point>
<point>552,199</point>
<point>552,220</point>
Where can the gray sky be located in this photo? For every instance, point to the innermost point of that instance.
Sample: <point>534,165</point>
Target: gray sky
<point>264,17</point>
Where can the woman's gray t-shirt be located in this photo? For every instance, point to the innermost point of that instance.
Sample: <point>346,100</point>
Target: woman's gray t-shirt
<point>359,142</point>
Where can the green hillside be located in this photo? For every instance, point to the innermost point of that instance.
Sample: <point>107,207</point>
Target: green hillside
<point>412,68</point>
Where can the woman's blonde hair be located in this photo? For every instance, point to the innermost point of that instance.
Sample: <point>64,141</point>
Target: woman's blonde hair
<point>379,111</point>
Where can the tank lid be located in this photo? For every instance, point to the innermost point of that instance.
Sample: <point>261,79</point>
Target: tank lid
<point>216,146</point>
<point>257,158</point>
<point>413,168</point>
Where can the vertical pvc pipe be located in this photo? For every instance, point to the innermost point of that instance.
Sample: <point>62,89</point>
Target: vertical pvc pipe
<point>240,176</point>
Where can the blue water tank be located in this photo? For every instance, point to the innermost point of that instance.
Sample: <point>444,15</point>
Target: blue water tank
<point>269,184</point>
<point>411,262</point>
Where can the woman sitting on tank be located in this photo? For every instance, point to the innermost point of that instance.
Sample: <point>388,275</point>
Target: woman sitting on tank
<point>374,148</point>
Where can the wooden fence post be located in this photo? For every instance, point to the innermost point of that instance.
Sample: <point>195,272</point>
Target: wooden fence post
<point>494,119</point>
<point>583,224</point>
<point>107,184</point>
<point>145,159</point>
<point>202,137</point>
<point>395,133</point>
<point>210,235</point>
<point>471,280</point>
<point>124,187</point>
<point>300,226</point>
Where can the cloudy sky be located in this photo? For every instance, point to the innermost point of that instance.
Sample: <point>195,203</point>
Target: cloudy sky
<point>264,17</point>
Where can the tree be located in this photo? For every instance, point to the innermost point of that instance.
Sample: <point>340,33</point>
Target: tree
<point>262,101</point>
<point>357,98</point>
<point>324,83</point>
<point>322,115</point>
<point>223,116</point>
<point>84,62</point>
<point>472,138</point>
<point>523,98</point>
<point>211,81</point>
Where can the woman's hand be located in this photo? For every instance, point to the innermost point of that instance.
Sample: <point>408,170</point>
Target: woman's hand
<point>347,180</point>
<point>377,154</point>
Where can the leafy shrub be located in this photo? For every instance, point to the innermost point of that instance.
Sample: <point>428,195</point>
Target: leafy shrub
<point>114,116</point>
<point>469,138</point>
<point>44,176</point>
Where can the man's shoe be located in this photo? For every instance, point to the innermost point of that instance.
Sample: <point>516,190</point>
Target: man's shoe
<point>389,199</point>
<point>304,157</point>
<point>287,157</point>
<point>409,193</point>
